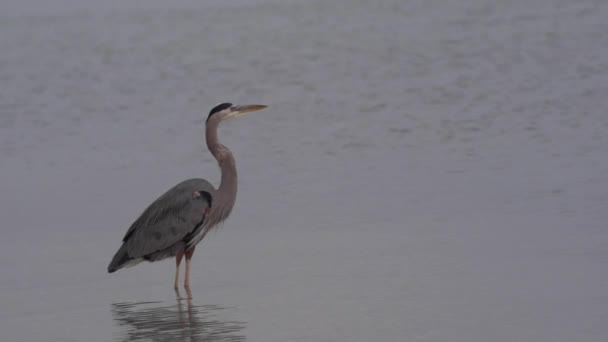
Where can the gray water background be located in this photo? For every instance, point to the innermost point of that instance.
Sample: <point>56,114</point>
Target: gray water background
<point>426,171</point>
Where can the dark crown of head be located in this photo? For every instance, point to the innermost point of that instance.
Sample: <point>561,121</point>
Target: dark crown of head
<point>219,108</point>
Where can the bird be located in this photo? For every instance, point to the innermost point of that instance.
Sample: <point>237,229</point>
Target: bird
<point>180,218</point>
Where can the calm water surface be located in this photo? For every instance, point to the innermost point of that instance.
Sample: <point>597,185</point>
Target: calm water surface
<point>425,171</point>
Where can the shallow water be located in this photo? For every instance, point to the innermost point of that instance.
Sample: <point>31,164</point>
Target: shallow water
<point>425,171</point>
<point>182,321</point>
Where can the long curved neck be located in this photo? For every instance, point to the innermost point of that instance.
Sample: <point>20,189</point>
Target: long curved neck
<point>228,184</point>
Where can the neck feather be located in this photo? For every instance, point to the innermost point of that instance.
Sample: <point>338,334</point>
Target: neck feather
<point>225,160</point>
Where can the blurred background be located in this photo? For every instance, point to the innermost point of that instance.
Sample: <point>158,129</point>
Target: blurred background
<point>426,170</point>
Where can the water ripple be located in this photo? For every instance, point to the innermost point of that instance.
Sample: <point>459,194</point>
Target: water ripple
<point>183,321</point>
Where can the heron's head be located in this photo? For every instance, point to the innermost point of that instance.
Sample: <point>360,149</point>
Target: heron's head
<point>204,195</point>
<point>228,110</point>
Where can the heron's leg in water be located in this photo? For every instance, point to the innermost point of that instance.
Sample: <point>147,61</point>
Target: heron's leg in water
<point>188,258</point>
<point>178,260</point>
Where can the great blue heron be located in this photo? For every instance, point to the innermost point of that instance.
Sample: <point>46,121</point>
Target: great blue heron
<point>180,218</point>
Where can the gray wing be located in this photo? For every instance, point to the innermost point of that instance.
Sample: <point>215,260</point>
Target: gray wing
<point>168,220</point>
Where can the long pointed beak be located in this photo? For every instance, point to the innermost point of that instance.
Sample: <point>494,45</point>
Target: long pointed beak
<point>236,111</point>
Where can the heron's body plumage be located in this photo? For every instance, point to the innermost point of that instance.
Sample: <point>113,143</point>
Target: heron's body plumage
<point>165,226</point>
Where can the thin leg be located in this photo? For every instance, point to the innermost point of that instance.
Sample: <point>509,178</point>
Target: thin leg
<point>178,261</point>
<point>188,258</point>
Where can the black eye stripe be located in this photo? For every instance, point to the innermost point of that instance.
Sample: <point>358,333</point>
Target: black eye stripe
<point>219,108</point>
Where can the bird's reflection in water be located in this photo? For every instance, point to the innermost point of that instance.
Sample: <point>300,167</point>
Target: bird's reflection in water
<point>156,321</point>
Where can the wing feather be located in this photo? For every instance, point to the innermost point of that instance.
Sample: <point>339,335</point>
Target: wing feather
<point>168,220</point>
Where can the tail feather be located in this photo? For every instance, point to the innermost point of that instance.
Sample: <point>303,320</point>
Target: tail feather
<point>121,260</point>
